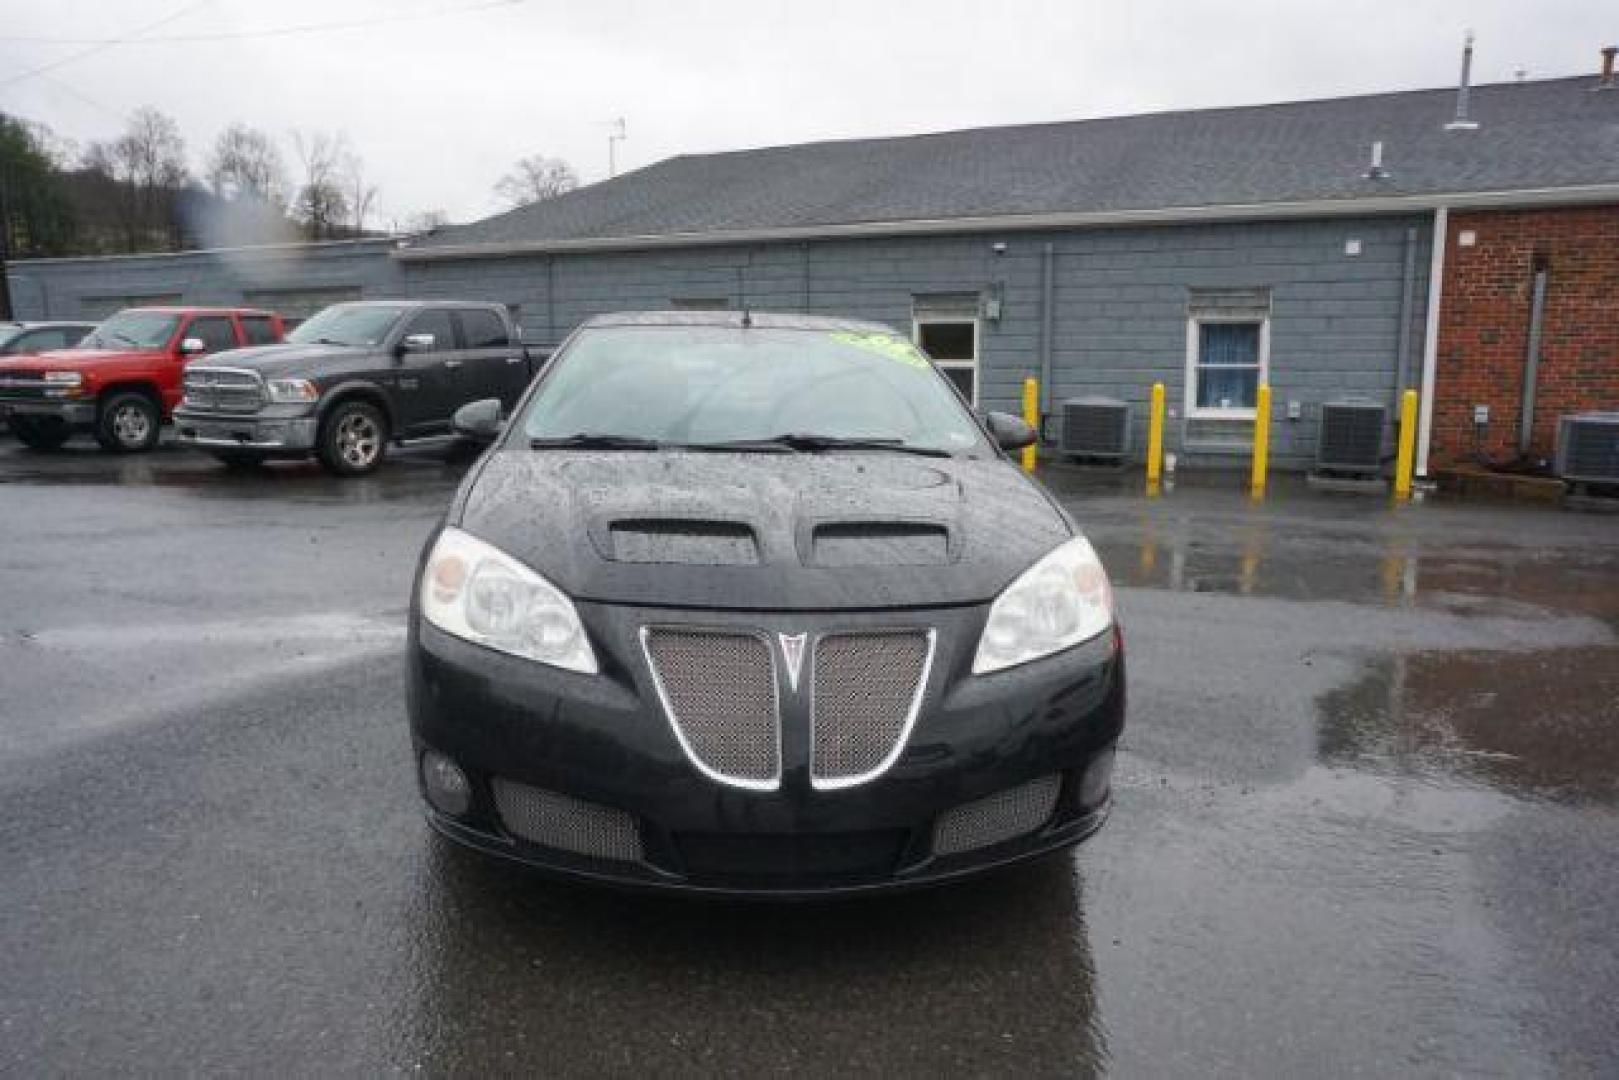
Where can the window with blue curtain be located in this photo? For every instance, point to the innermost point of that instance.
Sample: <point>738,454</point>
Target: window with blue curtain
<point>1227,365</point>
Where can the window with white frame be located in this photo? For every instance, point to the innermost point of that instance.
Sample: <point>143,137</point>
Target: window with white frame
<point>946,327</point>
<point>1227,351</point>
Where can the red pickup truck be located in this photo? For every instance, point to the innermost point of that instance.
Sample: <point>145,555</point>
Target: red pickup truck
<point>123,380</point>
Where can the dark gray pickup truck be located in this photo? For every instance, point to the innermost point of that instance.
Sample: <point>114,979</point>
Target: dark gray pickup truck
<point>350,381</point>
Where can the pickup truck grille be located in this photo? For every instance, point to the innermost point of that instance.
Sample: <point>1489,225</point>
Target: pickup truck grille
<point>21,386</point>
<point>223,390</point>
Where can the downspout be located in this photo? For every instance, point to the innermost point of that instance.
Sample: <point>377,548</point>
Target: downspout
<point>1408,285</point>
<point>1048,292</point>
<point>550,301</point>
<point>1531,360</point>
<point>1430,334</point>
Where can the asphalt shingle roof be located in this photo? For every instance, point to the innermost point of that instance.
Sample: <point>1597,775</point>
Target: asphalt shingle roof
<point>1532,135</point>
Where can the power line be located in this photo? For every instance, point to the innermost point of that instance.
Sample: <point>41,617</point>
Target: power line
<point>102,46</point>
<point>267,32</point>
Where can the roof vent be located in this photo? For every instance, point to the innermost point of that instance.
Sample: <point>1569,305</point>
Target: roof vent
<point>1461,122</point>
<point>1375,170</point>
<point>1607,82</point>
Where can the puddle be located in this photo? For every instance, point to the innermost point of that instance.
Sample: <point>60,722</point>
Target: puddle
<point>1537,724</point>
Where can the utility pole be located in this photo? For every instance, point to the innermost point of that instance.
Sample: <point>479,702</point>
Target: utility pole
<point>616,134</point>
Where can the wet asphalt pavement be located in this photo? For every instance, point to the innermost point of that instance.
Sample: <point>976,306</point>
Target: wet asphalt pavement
<point>1367,816</point>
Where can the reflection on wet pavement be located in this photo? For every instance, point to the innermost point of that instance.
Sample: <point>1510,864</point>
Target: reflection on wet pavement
<point>1542,724</point>
<point>516,968</point>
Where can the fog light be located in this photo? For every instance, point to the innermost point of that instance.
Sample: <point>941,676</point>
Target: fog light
<point>1098,779</point>
<point>447,787</point>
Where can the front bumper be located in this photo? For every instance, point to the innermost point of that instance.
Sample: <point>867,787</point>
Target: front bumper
<point>275,429</point>
<point>606,741</point>
<point>79,413</point>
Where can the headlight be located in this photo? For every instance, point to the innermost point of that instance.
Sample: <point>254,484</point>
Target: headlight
<point>1060,601</point>
<point>480,593</point>
<point>285,391</point>
<point>64,378</point>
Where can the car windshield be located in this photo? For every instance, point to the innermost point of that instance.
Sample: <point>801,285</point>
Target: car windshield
<point>8,334</point>
<point>133,330</point>
<point>711,385</point>
<point>349,324</point>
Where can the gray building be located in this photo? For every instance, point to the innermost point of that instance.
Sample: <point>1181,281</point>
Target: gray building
<point>1209,250</point>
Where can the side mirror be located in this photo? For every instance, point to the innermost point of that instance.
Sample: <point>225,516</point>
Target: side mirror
<point>1009,431</point>
<point>192,346</point>
<point>415,343</point>
<point>479,421</point>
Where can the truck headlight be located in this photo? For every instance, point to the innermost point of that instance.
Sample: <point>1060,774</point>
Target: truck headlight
<point>64,378</point>
<point>479,593</point>
<point>1060,601</point>
<point>292,391</point>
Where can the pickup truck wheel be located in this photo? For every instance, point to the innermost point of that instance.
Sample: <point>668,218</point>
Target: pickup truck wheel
<point>129,424</point>
<point>40,432</point>
<point>353,438</point>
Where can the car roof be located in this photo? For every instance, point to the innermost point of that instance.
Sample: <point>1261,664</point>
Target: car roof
<point>49,324</point>
<point>762,320</point>
<point>415,302</point>
<point>186,309</point>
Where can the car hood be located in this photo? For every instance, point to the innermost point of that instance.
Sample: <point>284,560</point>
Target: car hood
<point>851,530</point>
<point>283,361</point>
<point>73,359</point>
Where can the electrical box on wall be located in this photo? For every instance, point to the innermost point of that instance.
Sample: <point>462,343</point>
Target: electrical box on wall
<point>1481,415</point>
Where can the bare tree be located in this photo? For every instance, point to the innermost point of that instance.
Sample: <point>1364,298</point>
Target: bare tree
<point>534,179</point>
<point>361,195</point>
<point>245,164</point>
<point>147,166</point>
<point>321,205</point>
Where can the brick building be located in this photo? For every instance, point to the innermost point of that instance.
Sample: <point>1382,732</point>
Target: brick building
<point>1209,250</point>
<point>1492,264</point>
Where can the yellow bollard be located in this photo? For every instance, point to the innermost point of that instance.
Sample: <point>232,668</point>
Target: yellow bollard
<point>1031,416</point>
<point>1406,461</point>
<point>1256,486</point>
<point>1155,439</point>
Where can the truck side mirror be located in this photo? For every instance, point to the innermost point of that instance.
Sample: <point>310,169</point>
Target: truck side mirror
<point>417,343</point>
<point>193,346</point>
<point>479,421</point>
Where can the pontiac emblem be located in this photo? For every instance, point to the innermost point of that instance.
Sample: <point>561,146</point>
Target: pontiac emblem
<point>792,651</point>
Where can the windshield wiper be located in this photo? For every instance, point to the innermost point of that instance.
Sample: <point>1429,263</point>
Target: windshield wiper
<point>816,444</point>
<point>585,440</point>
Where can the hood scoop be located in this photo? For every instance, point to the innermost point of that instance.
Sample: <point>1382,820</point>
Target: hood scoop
<point>677,540</point>
<point>879,543</point>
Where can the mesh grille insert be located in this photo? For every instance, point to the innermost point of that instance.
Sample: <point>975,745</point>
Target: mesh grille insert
<point>867,687</point>
<point>999,817</point>
<point>568,824</point>
<point>719,689</point>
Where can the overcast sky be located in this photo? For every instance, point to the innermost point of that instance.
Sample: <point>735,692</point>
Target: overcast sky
<point>442,96</point>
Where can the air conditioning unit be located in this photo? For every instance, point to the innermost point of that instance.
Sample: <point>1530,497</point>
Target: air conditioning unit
<point>1351,439</point>
<point>1095,427</point>
<point>1588,447</point>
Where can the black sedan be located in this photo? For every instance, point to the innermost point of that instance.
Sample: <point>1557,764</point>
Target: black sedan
<point>757,604</point>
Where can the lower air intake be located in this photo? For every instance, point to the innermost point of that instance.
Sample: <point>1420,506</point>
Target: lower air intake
<point>997,818</point>
<point>567,824</point>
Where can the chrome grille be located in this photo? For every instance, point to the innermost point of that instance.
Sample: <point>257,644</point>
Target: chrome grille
<point>22,384</point>
<point>558,821</point>
<point>719,691</point>
<point>867,689</point>
<point>997,818</point>
<point>223,390</point>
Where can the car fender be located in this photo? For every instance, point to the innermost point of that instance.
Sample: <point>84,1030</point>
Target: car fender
<point>363,388</point>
